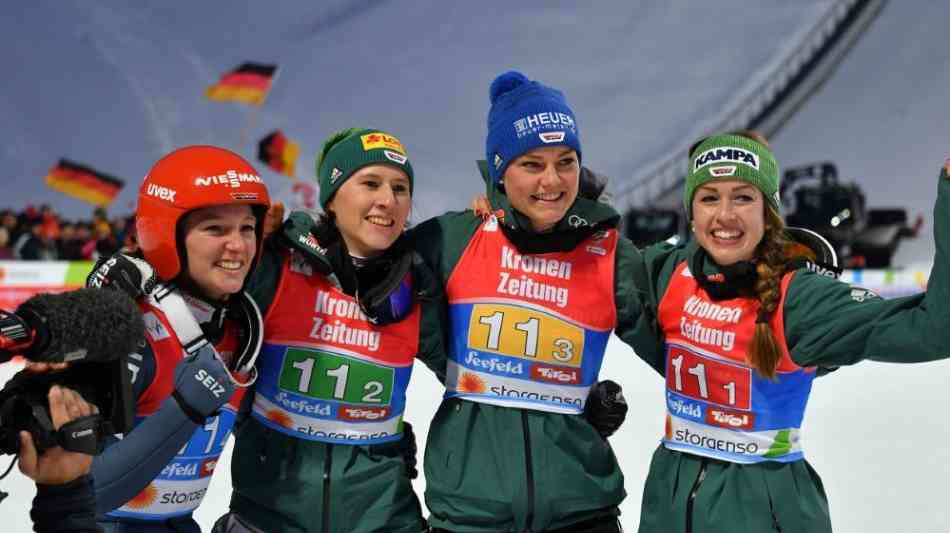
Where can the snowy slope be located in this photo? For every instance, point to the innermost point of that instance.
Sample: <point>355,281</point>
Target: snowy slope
<point>117,84</point>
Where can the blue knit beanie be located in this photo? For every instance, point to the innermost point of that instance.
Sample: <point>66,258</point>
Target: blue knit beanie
<point>525,115</point>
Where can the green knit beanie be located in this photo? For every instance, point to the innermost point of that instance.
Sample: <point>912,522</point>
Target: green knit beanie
<point>351,149</point>
<point>732,157</point>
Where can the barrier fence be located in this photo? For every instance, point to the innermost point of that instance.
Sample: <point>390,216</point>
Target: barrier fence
<point>20,280</point>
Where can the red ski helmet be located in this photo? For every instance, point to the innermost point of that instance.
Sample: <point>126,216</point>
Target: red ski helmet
<point>191,178</point>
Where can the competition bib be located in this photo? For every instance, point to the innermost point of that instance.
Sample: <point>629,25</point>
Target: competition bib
<point>181,485</point>
<point>326,372</point>
<point>529,331</point>
<point>717,404</point>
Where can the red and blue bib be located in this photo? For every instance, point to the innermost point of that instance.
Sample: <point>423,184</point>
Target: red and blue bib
<point>529,330</point>
<point>326,372</point>
<point>182,484</point>
<point>717,404</point>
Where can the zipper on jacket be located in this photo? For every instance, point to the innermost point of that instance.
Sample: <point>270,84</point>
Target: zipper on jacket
<point>326,488</point>
<point>529,470</point>
<point>692,495</point>
<point>778,527</point>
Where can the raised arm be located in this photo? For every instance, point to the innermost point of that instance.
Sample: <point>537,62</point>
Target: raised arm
<point>832,323</point>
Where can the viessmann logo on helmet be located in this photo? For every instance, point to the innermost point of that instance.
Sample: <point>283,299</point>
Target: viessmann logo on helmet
<point>231,178</point>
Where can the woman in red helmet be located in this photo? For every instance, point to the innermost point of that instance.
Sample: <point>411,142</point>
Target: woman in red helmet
<point>199,223</point>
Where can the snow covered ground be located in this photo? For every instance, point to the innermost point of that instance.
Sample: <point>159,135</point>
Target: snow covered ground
<point>117,84</point>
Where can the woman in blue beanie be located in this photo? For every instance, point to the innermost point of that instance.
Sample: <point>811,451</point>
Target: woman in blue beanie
<point>532,295</point>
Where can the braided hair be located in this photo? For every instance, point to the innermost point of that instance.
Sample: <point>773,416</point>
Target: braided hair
<point>770,260</point>
<point>765,352</point>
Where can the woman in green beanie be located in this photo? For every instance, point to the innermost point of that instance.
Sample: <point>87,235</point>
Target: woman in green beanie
<point>325,448</point>
<point>743,334</point>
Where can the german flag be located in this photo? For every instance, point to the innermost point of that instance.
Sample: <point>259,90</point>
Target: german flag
<point>279,152</point>
<point>84,183</point>
<point>249,83</point>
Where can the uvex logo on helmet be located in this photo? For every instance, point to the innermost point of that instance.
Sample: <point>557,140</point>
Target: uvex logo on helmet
<point>231,178</point>
<point>729,154</point>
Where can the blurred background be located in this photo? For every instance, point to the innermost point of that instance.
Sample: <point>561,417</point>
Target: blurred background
<point>850,93</point>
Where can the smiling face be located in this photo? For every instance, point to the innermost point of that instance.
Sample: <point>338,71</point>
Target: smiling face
<point>728,220</point>
<point>220,243</point>
<point>542,184</point>
<point>371,208</point>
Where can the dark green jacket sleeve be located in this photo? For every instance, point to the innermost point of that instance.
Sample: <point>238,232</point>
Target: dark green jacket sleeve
<point>262,284</point>
<point>440,242</point>
<point>832,323</point>
<point>636,305</point>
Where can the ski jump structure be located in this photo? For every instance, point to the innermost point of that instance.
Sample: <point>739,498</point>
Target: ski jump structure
<point>770,105</point>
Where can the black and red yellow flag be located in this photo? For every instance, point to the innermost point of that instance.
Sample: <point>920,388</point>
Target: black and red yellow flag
<point>279,152</point>
<point>249,83</point>
<point>84,183</point>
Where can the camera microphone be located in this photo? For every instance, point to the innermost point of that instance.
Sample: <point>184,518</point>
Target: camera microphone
<point>91,325</point>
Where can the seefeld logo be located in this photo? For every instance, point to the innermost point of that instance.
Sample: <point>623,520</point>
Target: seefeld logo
<point>731,154</point>
<point>231,178</point>
<point>684,409</point>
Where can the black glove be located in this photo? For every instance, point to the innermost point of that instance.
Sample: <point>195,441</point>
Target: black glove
<point>606,408</point>
<point>408,449</point>
<point>131,275</point>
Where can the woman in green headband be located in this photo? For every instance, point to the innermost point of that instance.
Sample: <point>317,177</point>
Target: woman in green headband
<point>326,447</point>
<point>743,335</point>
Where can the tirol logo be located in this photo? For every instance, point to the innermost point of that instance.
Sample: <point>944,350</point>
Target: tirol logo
<point>728,170</point>
<point>553,374</point>
<point>731,154</point>
<point>373,141</point>
<point>729,419</point>
<point>162,193</point>
<point>394,157</point>
<point>552,137</point>
<point>231,178</point>
<point>207,467</point>
<point>347,412</point>
<point>335,175</point>
<point>682,408</point>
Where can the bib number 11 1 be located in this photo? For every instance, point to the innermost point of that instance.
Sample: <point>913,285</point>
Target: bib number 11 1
<point>702,378</point>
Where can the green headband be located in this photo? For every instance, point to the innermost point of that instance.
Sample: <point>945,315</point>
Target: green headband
<point>349,150</point>
<point>732,157</point>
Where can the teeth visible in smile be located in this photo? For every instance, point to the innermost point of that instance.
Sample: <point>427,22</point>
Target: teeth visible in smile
<point>230,265</point>
<point>728,235</point>
<point>548,196</point>
<point>380,221</point>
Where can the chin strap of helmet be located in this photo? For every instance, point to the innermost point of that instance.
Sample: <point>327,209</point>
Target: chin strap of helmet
<point>167,298</point>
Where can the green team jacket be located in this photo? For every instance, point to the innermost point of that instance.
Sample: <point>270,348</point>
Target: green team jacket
<point>294,485</point>
<point>827,323</point>
<point>491,468</point>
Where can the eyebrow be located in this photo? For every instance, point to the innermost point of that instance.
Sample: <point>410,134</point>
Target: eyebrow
<point>565,152</point>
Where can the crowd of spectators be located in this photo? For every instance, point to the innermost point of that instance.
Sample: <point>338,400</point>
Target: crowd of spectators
<point>38,233</point>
